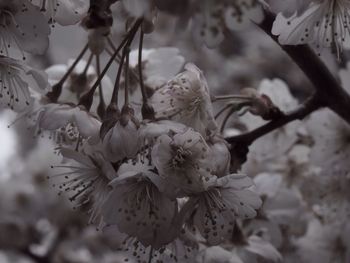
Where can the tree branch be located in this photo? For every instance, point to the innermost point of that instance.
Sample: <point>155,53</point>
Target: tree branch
<point>300,113</point>
<point>328,92</point>
<point>327,87</point>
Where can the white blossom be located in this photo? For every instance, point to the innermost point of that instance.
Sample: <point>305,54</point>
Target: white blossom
<point>226,200</point>
<point>137,207</point>
<point>22,26</point>
<point>324,23</point>
<point>182,159</point>
<point>85,176</point>
<point>122,141</point>
<point>324,243</point>
<point>56,116</point>
<point>14,88</point>
<point>213,17</point>
<point>186,99</point>
<point>158,64</point>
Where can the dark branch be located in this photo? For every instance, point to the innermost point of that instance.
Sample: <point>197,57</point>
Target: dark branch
<point>298,114</point>
<point>327,87</point>
<point>328,91</point>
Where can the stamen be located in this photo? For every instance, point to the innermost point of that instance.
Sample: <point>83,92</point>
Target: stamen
<point>142,86</point>
<point>147,110</point>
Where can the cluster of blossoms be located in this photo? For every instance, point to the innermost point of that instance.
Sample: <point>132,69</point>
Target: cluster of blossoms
<point>146,156</point>
<point>160,179</point>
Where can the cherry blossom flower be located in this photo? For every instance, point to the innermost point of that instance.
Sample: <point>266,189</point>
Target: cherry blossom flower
<point>225,200</point>
<point>182,159</point>
<point>137,207</point>
<point>324,23</point>
<point>122,140</point>
<point>14,88</point>
<point>64,12</point>
<point>56,116</point>
<point>23,26</point>
<point>86,175</point>
<point>186,99</point>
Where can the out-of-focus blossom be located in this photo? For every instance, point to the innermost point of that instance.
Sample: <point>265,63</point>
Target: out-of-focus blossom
<point>158,64</point>
<point>217,254</point>
<point>213,18</point>
<point>258,249</point>
<point>324,243</point>
<point>80,80</point>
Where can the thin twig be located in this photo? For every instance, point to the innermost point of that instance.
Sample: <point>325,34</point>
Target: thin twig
<point>54,94</point>
<point>142,86</point>
<point>300,113</point>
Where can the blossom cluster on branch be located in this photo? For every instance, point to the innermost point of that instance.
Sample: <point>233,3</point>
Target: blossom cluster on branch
<point>150,156</point>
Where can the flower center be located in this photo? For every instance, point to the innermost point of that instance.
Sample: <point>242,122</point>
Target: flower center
<point>180,157</point>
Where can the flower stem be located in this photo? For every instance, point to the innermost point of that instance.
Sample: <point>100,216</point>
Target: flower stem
<point>230,97</point>
<point>101,109</point>
<point>126,42</point>
<point>126,76</point>
<point>142,85</point>
<point>57,88</point>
